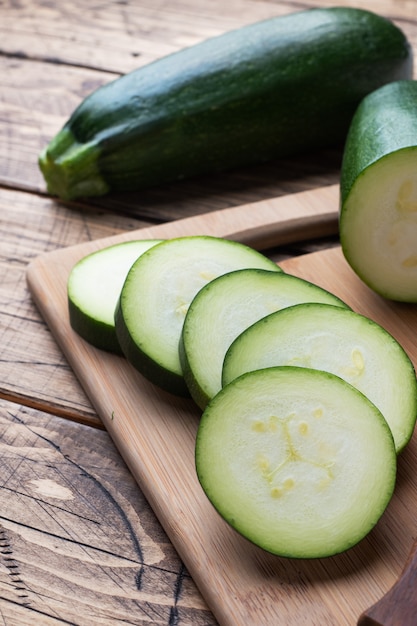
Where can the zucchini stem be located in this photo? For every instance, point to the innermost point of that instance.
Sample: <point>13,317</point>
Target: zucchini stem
<point>71,168</point>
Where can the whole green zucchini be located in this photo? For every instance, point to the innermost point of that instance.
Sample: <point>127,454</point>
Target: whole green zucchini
<point>272,89</point>
<point>378,187</point>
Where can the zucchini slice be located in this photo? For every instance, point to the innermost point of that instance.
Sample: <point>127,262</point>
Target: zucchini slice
<point>94,287</point>
<point>339,341</point>
<point>378,218</point>
<point>296,460</point>
<point>226,307</point>
<point>157,293</point>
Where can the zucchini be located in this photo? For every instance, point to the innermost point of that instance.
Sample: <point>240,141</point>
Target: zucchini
<point>378,187</point>
<point>223,309</point>
<point>339,341</point>
<point>157,293</point>
<point>296,460</point>
<point>271,89</point>
<point>93,290</point>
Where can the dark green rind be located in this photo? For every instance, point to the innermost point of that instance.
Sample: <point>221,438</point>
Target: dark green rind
<point>276,88</point>
<point>194,389</point>
<point>94,327</point>
<point>157,374</point>
<point>95,332</point>
<point>385,122</point>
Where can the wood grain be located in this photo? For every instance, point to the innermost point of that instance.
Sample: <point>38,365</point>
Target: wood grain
<point>155,434</point>
<point>120,36</point>
<point>398,606</point>
<point>114,565</point>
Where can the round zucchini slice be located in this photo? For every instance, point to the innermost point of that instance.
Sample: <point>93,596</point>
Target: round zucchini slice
<point>94,287</point>
<point>339,341</point>
<point>157,293</point>
<point>223,309</point>
<point>296,460</point>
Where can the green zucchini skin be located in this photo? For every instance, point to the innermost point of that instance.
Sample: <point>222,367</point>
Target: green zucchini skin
<point>385,122</point>
<point>271,89</point>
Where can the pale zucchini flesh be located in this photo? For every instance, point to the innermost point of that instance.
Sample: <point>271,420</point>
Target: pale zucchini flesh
<point>378,191</point>
<point>157,293</point>
<point>339,341</point>
<point>378,228</point>
<point>94,287</point>
<point>296,460</point>
<point>226,307</point>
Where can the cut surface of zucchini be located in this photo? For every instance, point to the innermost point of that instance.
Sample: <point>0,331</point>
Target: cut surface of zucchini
<point>378,191</point>
<point>157,293</point>
<point>226,307</point>
<point>339,341</point>
<point>94,287</point>
<point>296,460</point>
<point>379,226</point>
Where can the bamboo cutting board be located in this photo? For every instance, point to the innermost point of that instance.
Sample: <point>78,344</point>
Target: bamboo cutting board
<point>155,433</point>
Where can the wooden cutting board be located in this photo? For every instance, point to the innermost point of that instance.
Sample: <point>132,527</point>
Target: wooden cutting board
<point>155,433</point>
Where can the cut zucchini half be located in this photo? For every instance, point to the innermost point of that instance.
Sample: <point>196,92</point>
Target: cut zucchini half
<point>226,307</point>
<point>339,341</point>
<point>378,217</point>
<point>378,227</point>
<point>157,293</point>
<point>296,460</point>
<point>94,287</point>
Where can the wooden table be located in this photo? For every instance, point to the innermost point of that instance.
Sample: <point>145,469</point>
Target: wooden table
<point>79,543</point>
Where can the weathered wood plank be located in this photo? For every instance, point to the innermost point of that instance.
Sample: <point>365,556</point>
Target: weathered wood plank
<point>78,542</point>
<point>120,36</point>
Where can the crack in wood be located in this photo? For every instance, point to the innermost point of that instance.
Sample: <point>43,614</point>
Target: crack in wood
<point>41,501</point>
<point>174,613</point>
<point>97,549</point>
<point>12,567</point>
